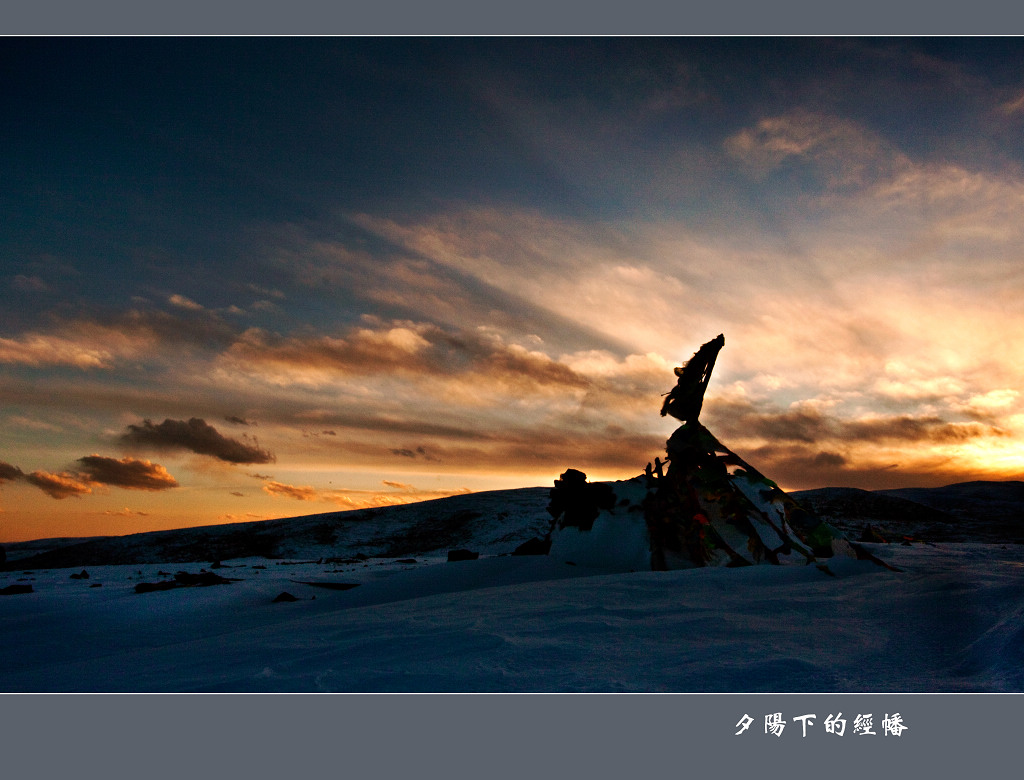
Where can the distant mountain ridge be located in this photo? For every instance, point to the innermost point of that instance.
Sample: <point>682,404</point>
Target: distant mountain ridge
<point>491,521</point>
<point>496,522</point>
<point>977,511</point>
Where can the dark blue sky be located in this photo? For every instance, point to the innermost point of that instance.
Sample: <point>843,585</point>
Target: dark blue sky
<point>127,153</point>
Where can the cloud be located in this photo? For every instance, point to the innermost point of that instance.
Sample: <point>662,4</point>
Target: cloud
<point>197,436</point>
<point>363,350</point>
<point>97,470</point>
<point>408,494</point>
<point>845,153</point>
<point>184,303</point>
<point>317,434</point>
<point>60,486</point>
<point>247,517</point>
<point>238,420</point>
<point>636,288</point>
<point>23,283</point>
<point>198,329</point>
<point>33,424</point>
<point>267,307</point>
<point>398,493</point>
<point>876,270</point>
<point>36,349</point>
<point>914,429</point>
<point>512,337</point>
<point>402,349</point>
<point>842,443</point>
<point>511,269</point>
<point>537,450</point>
<point>798,467</point>
<point>108,342</point>
<point>9,473</point>
<point>829,459</point>
<point>87,343</point>
<point>266,292</point>
<point>952,204</point>
<point>1013,105</point>
<point>304,493</point>
<point>126,512</point>
<point>991,406</point>
<point>419,452</point>
<point>126,473</point>
<point>811,426</point>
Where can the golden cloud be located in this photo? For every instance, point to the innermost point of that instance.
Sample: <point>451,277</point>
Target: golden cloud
<point>280,489</point>
<point>126,473</point>
<point>60,486</point>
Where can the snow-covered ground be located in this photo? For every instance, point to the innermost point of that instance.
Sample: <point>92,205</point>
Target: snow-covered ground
<point>951,620</point>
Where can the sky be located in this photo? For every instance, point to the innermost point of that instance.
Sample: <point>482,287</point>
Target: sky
<point>248,278</point>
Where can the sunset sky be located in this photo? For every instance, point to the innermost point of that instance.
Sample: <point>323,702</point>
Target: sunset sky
<point>250,278</point>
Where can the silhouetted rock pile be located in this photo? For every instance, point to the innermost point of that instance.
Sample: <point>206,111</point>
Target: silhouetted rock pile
<point>709,508</point>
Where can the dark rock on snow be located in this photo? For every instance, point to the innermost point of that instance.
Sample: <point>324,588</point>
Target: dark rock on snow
<point>184,579</point>
<point>150,587</point>
<point>12,590</point>
<point>202,579</point>
<point>576,502</point>
<point>329,585</point>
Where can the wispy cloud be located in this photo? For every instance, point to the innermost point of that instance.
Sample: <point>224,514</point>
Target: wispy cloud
<point>808,445</point>
<point>809,425</point>
<point>184,303</point>
<point>282,490</point>
<point>846,153</point>
<point>126,512</point>
<point>96,352</point>
<point>229,517</point>
<point>419,452</point>
<point>1013,106</point>
<point>405,349</point>
<point>29,284</point>
<point>396,493</point>
<point>91,343</point>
